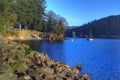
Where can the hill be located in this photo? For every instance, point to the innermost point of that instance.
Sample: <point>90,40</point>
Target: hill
<point>107,27</point>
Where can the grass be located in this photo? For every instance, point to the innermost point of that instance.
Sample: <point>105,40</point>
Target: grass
<point>23,34</point>
<point>29,32</point>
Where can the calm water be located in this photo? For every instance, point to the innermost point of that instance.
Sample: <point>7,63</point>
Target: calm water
<point>100,58</point>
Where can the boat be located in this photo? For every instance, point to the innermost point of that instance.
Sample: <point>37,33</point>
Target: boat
<point>90,37</point>
<point>72,40</point>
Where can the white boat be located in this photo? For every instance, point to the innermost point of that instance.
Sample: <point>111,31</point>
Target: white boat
<point>90,37</point>
<point>72,40</point>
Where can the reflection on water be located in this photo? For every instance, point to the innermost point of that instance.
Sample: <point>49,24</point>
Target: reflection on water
<point>100,58</point>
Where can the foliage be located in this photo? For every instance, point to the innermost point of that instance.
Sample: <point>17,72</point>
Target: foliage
<point>55,23</point>
<point>12,33</point>
<point>27,49</point>
<point>7,15</point>
<point>29,14</point>
<point>1,27</point>
<point>24,12</point>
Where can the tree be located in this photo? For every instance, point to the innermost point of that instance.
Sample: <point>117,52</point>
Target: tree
<point>39,14</point>
<point>7,15</point>
<point>29,12</point>
<point>51,21</point>
<point>55,23</point>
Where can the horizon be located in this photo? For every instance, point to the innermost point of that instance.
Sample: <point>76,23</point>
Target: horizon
<point>83,11</point>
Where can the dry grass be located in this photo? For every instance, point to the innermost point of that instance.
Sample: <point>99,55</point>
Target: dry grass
<point>23,34</point>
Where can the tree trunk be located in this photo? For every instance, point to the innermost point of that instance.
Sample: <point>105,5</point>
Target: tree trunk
<point>19,29</point>
<point>4,29</point>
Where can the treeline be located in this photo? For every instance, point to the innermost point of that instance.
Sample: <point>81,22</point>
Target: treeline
<point>29,14</point>
<point>107,27</point>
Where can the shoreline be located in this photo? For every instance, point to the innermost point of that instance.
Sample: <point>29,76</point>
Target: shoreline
<point>23,63</point>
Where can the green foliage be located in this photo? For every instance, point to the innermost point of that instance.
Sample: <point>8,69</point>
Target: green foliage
<point>7,15</point>
<point>27,49</point>
<point>55,23</point>
<point>29,14</point>
<point>61,27</point>
<point>26,12</point>
<point>3,5</point>
<point>1,27</point>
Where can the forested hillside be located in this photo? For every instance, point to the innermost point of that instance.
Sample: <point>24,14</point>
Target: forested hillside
<point>29,15</point>
<point>107,27</point>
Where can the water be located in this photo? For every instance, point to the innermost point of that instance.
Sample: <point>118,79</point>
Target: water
<point>100,58</point>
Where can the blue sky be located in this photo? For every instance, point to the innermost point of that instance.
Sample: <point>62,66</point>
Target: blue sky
<point>79,12</point>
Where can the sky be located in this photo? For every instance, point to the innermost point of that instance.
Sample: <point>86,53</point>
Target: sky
<point>79,12</point>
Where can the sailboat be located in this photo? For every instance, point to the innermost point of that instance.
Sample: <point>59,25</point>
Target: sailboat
<point>90,37</point>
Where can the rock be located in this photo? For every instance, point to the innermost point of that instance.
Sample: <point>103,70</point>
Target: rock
<point>52,66</point>
<point>66,66</point>
<point>8,76</point>
<point>68,75</point>
<point>77,68</point>
<point>85,77</point>
<point>26,77</point>
<point>59,78</point>
<point>20,59</point>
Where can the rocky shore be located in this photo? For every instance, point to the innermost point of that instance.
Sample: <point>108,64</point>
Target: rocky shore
<point>19,62</point>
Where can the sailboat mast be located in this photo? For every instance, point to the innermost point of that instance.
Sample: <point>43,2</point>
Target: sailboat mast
<point>90,33</point>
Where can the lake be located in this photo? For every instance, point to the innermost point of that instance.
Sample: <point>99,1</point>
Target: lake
<point>100,58</point>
